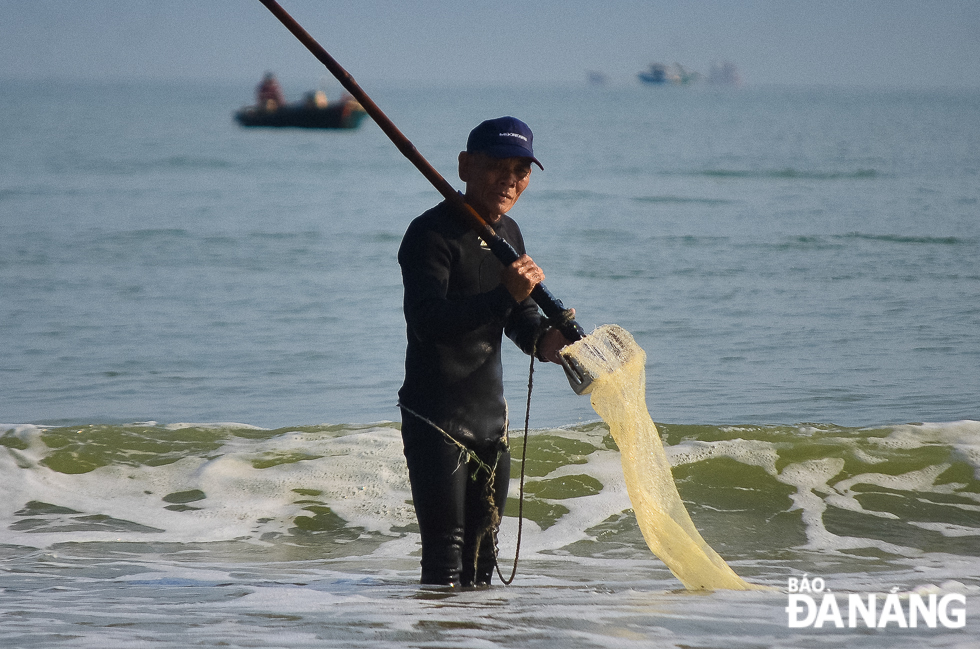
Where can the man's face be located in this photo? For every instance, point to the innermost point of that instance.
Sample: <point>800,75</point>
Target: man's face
<point>493,185</point>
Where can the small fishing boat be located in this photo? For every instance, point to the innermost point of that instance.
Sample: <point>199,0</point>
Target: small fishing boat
<point>660,74</point>
<point>655,74</point>
<point>313,112</point>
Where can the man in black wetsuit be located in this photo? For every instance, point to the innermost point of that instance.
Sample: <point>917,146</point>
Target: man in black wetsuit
<point>459,300</point>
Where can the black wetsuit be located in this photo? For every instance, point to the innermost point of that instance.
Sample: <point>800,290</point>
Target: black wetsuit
<point>456,310</point>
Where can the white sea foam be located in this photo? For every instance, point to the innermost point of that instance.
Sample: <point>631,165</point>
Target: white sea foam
<point>585,511</point>
<point>812,478</point>
<point>962,436</point>
<point>362,476</point>
<point>947,529</point>
<point>843,495</point>
<point>751,452</point>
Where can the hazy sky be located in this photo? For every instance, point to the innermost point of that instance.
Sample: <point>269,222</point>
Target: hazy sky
<point>835,42</point>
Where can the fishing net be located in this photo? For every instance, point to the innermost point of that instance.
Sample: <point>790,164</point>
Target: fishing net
<point>617,364</point>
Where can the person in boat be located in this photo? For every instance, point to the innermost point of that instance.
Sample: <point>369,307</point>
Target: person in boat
<point>269,94</point>
<point>459,300</point>
<point>315,100</point>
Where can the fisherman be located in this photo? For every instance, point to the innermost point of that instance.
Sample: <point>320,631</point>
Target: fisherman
<point>459,300</point>
<point>268,94</point>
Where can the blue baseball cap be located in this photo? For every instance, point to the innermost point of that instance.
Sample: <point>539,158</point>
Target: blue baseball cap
<point>504,137</point>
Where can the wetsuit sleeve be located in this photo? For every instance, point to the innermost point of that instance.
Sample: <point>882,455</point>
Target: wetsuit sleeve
<point>426,259</point>
<point>525,326</point>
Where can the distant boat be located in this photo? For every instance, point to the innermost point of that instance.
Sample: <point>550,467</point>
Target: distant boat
<point>685,76</point>
<point>724,74</point>
<point>655,74</point>
<point>597,78</point>
<point>659,74</point>
<point>313,112</point>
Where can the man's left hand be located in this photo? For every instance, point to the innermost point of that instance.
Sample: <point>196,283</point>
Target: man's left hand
<point>551,343</point>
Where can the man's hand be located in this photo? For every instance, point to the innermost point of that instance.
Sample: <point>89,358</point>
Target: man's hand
<point>521,277</point>
<point>551,343</point>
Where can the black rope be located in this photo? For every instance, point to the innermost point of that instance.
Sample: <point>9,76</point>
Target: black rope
<point>520,507</point>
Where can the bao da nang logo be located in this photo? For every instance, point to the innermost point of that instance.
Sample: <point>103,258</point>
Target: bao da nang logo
<point>811,604</point>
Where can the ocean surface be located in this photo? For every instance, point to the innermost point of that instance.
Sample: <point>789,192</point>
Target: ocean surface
<point>201,342</point>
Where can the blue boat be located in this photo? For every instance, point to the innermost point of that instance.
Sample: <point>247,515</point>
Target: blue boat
<point>655,74</point>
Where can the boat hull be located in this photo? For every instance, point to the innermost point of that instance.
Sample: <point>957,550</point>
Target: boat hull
<point>335,116</point>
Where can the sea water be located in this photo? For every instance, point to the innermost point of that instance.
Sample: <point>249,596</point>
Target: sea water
<point>201,341</point>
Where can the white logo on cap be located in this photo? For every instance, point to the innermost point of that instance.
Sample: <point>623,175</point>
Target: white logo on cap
<point>513,135</point>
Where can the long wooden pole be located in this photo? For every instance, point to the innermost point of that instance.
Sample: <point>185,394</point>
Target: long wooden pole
<point>396,136</point>
<point>551,305</point>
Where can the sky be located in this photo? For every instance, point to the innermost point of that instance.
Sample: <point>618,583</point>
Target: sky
<point>892,43</point>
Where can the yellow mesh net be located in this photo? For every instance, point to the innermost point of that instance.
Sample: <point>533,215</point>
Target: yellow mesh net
<point>617,364</point>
